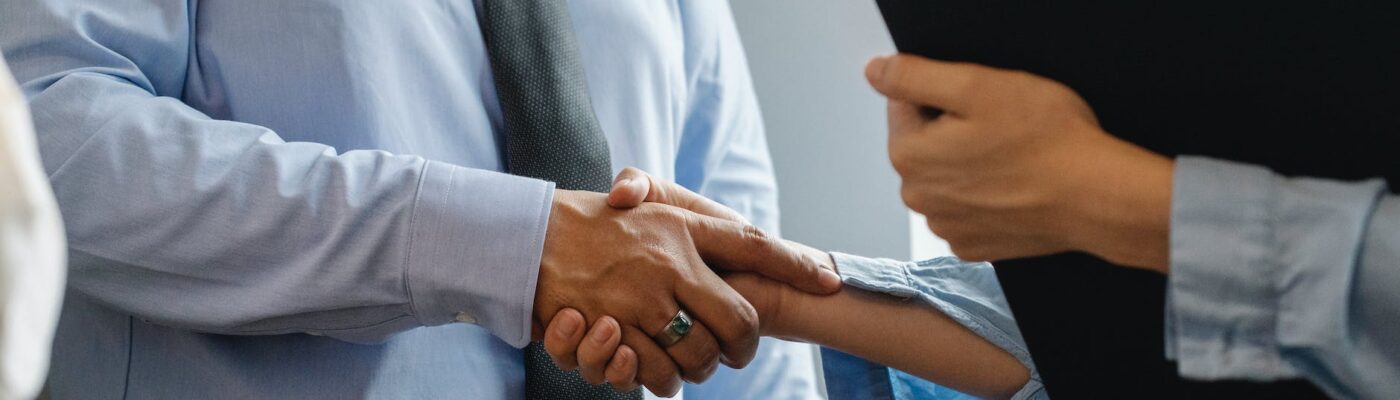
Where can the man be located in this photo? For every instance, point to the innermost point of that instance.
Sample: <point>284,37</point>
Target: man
<point>222,246</point>
<point>31,252</point>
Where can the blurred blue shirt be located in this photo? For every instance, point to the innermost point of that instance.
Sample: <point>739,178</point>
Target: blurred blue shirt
<point>300,199</point>
<point>1275,277</point>
<point>1271,278</point>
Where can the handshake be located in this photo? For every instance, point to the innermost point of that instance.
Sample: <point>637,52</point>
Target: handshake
<point>645,273</point>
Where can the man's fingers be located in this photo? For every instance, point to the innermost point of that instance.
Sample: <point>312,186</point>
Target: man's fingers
<point>655,369</point>
<point>622,370</point>
<point>597,349</point>
<point>944,85</point>
<point>697,354</point>
<point>728,316</point>
<point>562,337</point>
<point>736,246</point>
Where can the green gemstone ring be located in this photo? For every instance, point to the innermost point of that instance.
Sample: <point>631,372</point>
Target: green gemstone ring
<point>679,326</point>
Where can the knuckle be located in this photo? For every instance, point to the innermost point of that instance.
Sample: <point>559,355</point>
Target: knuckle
<point>664,382</point>
<point>902,161</point>
<point>708,360</point>
<point>666,215</point>
<point>656,318</point>
<point>969,252</point>
<point>653,255</point>
<point>755,234</point>
<point>746,323</point>
<point>913,198</point>
<point>895,72</point>
<point>702,368</point>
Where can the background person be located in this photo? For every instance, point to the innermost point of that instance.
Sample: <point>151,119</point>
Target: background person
<point>1271,277</point>
<point>31,251</point>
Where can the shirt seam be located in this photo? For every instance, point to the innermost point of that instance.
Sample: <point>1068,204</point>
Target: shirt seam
<point>130,344</point>
<point>278,331</point>
<point>407,276</point>
<point>1272,263</point>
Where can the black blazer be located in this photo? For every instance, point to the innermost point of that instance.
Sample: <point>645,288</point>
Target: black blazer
<point>1306,88</point>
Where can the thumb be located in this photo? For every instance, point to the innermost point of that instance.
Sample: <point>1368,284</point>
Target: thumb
<point>630,189</point>
<point>943,85</point>
<point>737,246</point>
<point>634,186</point>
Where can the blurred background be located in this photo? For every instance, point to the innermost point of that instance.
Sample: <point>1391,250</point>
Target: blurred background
<point>826,127</point>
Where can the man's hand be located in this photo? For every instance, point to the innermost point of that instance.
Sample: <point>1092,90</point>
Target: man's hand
<point>598,354</point>
<point>1013,165</point>
<point>640,266</point>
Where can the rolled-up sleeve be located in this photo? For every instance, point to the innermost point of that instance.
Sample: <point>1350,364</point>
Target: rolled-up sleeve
<point>1275,277</point>
<point>969,293</point>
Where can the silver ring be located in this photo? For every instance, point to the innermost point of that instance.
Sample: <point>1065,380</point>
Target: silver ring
<point>675,330</point>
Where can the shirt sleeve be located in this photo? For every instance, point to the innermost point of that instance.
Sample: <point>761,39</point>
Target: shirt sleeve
<point>1275,277</point>
<point>223,227</point>
<point>969,293</point>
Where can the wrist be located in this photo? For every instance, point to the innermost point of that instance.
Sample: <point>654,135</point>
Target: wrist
<point>565,210</point>
<point>1122,209</point>
<point>783,304</point>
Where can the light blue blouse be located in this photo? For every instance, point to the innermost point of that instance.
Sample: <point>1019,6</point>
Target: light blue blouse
<point>969,293</point>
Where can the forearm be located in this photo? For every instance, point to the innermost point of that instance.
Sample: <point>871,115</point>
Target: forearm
<point>908,335</point>
<point>220,226</point>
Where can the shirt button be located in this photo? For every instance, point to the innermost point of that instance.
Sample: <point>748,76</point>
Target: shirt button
<point>465,318</point>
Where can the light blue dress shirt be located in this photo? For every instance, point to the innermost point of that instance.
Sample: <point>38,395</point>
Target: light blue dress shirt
<point>1275,277</point>
<point>299,199</point>
<point>969,293</point>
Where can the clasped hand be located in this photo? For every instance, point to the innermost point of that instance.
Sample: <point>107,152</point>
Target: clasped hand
<point>1016,165</point>
<point>633,269</point>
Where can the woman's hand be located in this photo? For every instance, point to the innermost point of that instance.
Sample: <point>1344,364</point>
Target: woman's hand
<point>1015,165</point>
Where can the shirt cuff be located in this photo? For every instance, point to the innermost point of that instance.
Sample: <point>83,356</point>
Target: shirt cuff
<point>475,247</point>
<point>885,276</point>
<point>1259,263</point>
<point>966,292</point>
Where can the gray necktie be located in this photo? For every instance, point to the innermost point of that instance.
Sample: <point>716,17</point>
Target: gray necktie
<point>551,134</point>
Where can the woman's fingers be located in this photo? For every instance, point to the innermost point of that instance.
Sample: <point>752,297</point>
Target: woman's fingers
<point>597,349</point>
<point>622,370</point>
<point>562,337</point>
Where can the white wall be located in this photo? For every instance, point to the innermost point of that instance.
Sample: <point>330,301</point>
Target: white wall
<point>826,127</point>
